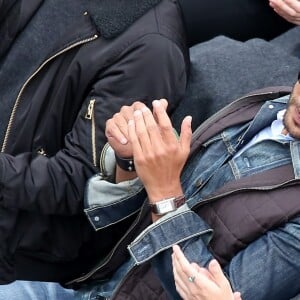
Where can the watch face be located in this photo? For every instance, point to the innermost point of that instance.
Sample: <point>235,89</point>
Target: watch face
<point>165,206</point>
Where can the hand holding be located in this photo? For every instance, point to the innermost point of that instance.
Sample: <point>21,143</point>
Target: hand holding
<point>159,155</point>
<point>288,9</point>
<point>116,130</point>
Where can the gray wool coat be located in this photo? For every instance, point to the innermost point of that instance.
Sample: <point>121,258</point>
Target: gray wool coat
<point>223,69</point>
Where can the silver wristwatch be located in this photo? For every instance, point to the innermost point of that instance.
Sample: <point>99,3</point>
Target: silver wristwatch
<point>167,205</point>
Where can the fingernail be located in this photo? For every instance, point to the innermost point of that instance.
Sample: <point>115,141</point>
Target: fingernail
<point>137,112</point>
<point>155,103</point>
<point>123,141</point>
<point>145,109</point>
<point>130,122</point>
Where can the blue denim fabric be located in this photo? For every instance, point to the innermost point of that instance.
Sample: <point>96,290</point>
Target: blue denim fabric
<point>267,269</point>
<point>209,170</point>
<point>216,164</point>
<point>107,203</point>
<point>34,290</point>
<point>160,235</point>
<point>105,289</point>
<point>205,173</point>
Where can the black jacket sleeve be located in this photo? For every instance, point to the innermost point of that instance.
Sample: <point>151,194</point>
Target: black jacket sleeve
<point>151,68</point>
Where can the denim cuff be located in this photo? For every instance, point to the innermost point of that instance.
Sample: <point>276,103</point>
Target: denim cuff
<point>171,229</point>
<point>107,203</point>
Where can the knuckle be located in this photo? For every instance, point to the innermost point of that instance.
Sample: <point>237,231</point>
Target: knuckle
<point>161,153</point>
<point>165,127</point>
<point>116,115</point>
<point>138,105</point>
<point>140,161</point>
<point>140,132</point>
<point>152,127</point>
<point>173,148</point>
<point>151,157</point>
<point>124,108</point>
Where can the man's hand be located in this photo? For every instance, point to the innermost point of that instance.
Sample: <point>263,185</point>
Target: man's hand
<point>159,155</point>
<point>288,9</point>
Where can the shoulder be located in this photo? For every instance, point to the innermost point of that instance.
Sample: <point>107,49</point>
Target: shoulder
<point>115,19</point>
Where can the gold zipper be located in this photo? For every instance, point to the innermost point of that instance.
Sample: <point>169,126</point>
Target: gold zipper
<point>90,116</point>
<point>13,113</point>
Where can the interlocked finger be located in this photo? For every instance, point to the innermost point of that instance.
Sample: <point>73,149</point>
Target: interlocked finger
<point>288,9</point>
<point>153,129</point>
<point>141,131</point>
<point>164,122</point>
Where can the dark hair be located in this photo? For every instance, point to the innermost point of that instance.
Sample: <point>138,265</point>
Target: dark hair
<point>299,76</point>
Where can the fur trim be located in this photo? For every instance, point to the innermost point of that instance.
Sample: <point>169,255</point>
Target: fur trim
<point>112,17</point>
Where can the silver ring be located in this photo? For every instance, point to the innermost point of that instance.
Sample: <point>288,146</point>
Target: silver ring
<point>192,278</point>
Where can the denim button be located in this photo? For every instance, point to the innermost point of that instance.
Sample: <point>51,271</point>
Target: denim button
<point>97,219</point>
<point>271,106</point>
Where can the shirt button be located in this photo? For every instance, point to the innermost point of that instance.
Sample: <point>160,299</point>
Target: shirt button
<point>97,219</point>
<point>271,106</point>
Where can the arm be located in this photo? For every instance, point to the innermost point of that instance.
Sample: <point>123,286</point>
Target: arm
<point>158,154</point>
<point>159,158</point>
<point>26,179</point>
<point>288,9</point>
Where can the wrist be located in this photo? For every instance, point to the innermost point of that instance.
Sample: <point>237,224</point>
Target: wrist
<point>125,163</point>
<point>122,175</point>
<point>166,205</point>
<point>125,169</point>
<point>159,193</point>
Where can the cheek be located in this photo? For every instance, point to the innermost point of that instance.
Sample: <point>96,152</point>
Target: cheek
<point>291,126</point>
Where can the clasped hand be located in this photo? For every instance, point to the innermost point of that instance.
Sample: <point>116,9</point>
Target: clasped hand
<point>159,155</point>
<point>288,9</point>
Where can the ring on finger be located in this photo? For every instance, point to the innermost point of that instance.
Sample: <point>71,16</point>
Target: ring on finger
<point>192,278</point>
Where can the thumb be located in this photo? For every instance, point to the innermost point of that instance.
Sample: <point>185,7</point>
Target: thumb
<point>215,269</point>
<point>237,296</point>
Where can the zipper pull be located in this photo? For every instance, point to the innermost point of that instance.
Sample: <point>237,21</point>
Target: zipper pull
<point>90,109</point>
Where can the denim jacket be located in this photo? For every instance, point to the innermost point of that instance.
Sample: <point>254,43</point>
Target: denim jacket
<point>107,203</point>
<point>205,173</point>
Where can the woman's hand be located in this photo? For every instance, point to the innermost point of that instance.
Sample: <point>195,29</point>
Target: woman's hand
<point>116,132</point>
<point>196,283</point>
<point>288,9</point>
<point>159,155</point>
<point>116,129</point>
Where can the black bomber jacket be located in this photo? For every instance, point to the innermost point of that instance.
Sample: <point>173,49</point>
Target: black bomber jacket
<point>87,70</point>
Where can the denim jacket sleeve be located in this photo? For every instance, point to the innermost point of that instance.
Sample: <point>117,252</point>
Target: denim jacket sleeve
<point>106,202</point>
<point>154,244</point>
<point>176,227</point>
